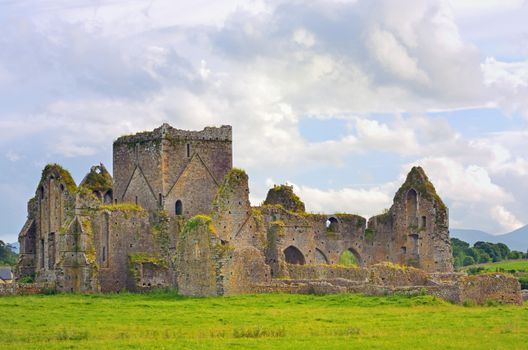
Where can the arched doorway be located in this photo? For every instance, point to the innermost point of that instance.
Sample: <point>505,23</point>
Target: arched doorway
<point>350,257</point>
<point>178,207</point>
<point>293,255</point>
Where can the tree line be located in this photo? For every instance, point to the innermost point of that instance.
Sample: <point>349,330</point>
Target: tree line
<point>482,252</point>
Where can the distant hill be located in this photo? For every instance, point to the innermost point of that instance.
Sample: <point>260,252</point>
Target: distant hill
<point>516,240</point>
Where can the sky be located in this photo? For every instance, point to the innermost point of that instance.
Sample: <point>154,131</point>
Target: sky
<point>338,98</point>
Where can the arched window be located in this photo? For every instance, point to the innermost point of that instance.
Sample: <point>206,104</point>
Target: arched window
<point>108,197</point>
<point>332,224</point>
<point>179,207</point>
<point>293,256</point>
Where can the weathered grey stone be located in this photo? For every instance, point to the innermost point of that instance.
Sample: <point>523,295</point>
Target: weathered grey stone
<point>177,215</point>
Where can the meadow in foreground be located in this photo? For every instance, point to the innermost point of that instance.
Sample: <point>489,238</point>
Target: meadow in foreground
<point>168,321</point>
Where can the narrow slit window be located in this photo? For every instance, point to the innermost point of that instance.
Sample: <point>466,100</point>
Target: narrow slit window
<point>188,150</point>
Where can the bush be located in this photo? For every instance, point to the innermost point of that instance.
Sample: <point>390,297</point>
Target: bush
<point>524,282</point>
<point>484,258</point>
<point>25,280</point>
<point>468,260</point>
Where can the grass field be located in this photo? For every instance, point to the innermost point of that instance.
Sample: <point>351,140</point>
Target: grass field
<point>507,265</point>
<point>168,321</point>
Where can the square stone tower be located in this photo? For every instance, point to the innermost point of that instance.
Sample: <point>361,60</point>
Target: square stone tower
<point>172,169</point>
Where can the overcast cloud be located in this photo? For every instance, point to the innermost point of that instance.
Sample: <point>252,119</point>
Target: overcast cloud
<point>392,84</point>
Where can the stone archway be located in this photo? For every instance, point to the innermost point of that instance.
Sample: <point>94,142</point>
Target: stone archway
<point>292,255</point>
<point>350,257</point>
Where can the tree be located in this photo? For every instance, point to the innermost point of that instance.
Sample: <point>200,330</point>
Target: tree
<point>7,257</point>
<point>484,258</point>
<point>504,250</point>
<point>468,260</point>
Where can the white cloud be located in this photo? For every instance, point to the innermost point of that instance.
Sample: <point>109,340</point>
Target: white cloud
<point>513,74</point>
<point>394,57</point>
<point>303,37</point>
<point>364,202</point>
<point>507,220</point>
<point>80,76</point>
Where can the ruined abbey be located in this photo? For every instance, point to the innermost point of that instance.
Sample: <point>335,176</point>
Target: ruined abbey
<point>176,214</point>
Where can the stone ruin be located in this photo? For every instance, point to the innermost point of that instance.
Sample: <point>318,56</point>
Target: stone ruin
<point>176,214</point>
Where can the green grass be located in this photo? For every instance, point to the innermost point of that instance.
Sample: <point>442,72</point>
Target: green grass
<point>507,265</point>
<point>269,321</point>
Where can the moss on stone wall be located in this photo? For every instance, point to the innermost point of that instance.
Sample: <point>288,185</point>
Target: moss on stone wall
<point>231,181</point>
<point>140,258</point>
<point>98,179</point>
<point>196,221</point>
<point>418,180</point>
<point>369,235</point>
<point>284,195</point>
<point>122,207</point>
<point>63,175</point>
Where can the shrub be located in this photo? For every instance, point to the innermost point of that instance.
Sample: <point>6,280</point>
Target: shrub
<point>25,280</point>
<point>468,260</point>
<point>524,282</point>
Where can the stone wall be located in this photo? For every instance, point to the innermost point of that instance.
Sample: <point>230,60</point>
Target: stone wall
<point>415,230</point>
<point>121,234</point>
<point>199,258</point>
<point>243,269</point>
<point>156,169</point>
<point>152,235</point>
<point>20,289</point>
<point>496,287</point>
<point>51,208</point>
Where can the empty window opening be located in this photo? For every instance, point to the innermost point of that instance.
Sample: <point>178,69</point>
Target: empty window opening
<point>332,224</point>
<point>349,257</point>
<point>104,254</point>
<point>136,200</point>
<point>41,190</point>
<point>424,222</point>
<point>179,207</point>
<point>160,200</point>
<point>294,256</point>
<point>108,197</point>
<point>188,150</point>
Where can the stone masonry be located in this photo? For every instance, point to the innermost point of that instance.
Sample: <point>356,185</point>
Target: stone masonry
<point>176,214</point>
